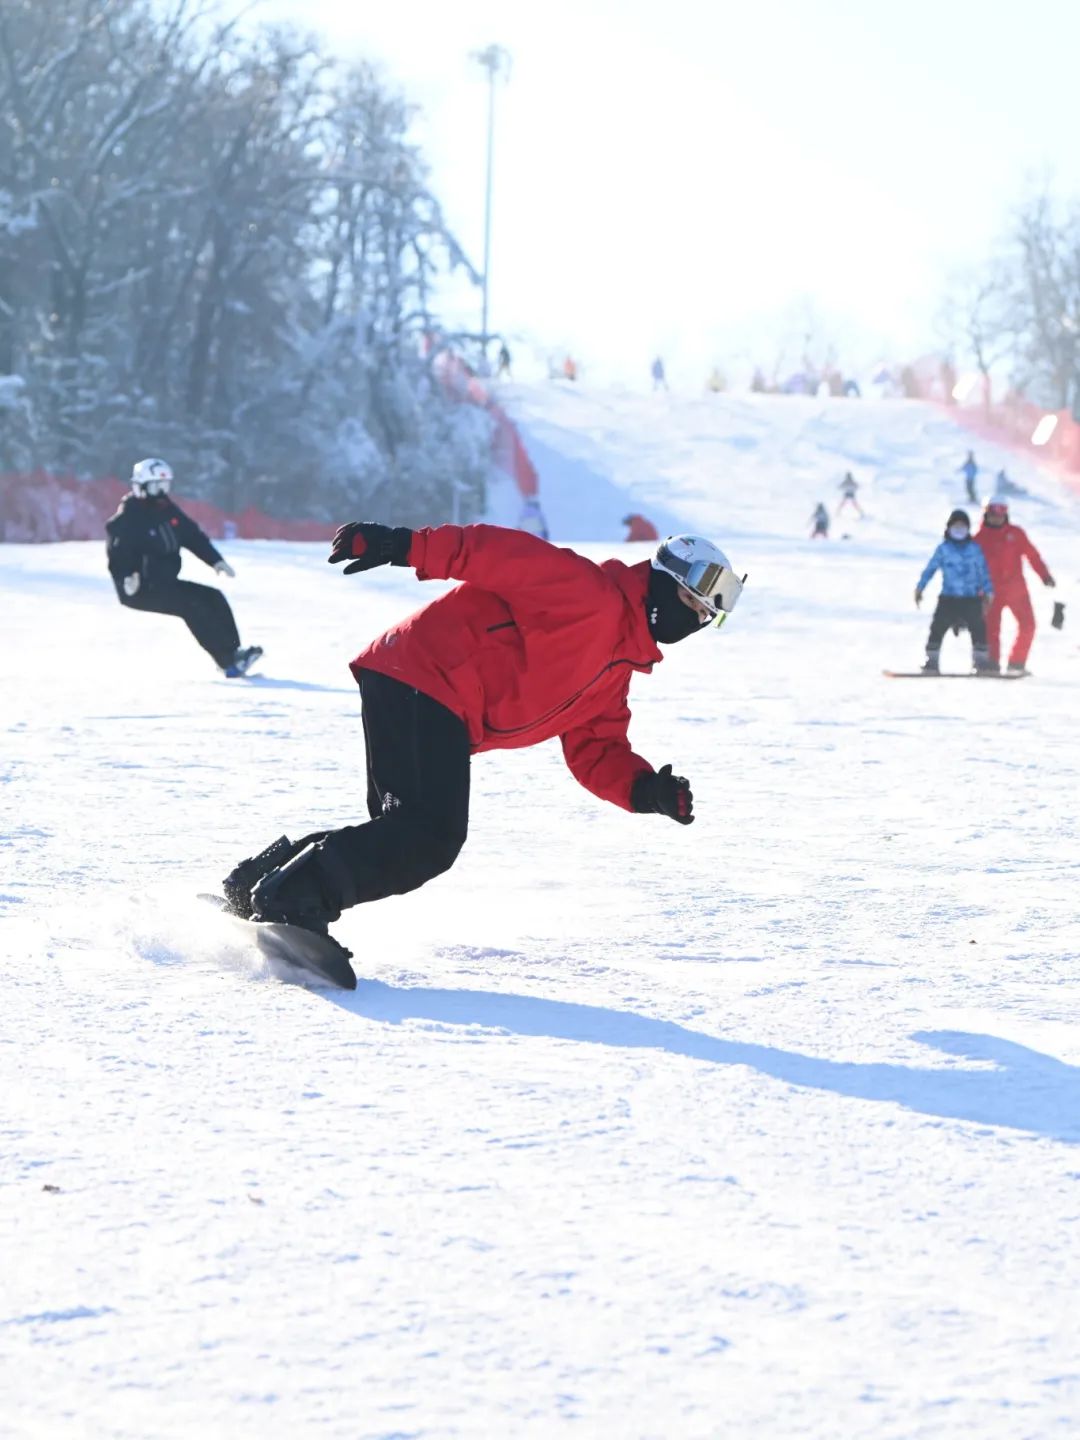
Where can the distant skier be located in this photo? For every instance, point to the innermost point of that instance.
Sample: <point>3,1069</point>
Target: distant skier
<point>504,362</point>
<point>536,642</point>
<point>849,489</point>
<point>966,590</point>
<point>532,520</point>
<point>969,469</point>
<point>1006,547</point>
<point>639,528</point>
<point>659,378</point>
<point>146,536</point>
<point>820,522</point>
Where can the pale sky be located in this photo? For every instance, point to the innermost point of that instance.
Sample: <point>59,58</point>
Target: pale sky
<point>682,176</point>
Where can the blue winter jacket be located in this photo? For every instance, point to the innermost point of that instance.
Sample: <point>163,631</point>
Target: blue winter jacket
<point>963,569</point>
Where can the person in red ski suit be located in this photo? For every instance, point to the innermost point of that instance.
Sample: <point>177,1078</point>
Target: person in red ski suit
<point>638,528</point>
<point>1006,547</point>
<point>536,643</point>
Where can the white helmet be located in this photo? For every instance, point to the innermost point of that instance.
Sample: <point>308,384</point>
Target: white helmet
<point>151,477</point>
<point>703,569</point>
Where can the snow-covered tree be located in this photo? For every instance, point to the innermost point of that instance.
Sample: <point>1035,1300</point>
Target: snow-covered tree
<point>222,249</point>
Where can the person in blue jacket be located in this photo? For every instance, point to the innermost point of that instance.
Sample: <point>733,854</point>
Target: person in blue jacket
<point>966,591</point>
<point>969,469</point>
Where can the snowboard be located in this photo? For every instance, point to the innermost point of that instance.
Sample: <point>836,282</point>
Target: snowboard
<point>295,954</point>
<point>955,675</point>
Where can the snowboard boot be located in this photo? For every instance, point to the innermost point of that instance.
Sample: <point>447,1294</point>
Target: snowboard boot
<point>309,890</point>
<point>242,661</point>
<point>932,666</point>
<point>1017,668</point>
<point>239,883</point>
<point>980,658</point>
<point>992,667</point>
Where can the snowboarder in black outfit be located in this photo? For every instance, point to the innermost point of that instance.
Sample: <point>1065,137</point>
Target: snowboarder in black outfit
<point>146,536</point>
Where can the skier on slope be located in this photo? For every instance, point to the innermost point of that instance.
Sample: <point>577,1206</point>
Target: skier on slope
<point>146,536</point>
<point>532,519</point>
<point>966,591</point>
<point>849,488</point>
<point>970,469</point>
<point>1006,547</point>
<point>820,522</point>
<point>537,642</point>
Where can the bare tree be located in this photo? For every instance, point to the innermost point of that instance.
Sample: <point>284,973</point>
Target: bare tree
<point>220,247</point>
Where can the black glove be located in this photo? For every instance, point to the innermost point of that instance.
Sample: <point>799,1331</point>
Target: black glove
<point>367,545</point>
<point>1059,615</point>
<point>663,794</point>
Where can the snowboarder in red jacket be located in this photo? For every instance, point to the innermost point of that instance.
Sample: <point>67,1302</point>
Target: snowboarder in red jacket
<point>1006,547</point>
<point>537,642</point>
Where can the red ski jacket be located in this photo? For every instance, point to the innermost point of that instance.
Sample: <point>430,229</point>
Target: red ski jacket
<point>1005,547</point>
<point>537,642</point>
<point>640,528</point>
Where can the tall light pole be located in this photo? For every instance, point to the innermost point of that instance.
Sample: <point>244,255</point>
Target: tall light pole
<point>496,61</point>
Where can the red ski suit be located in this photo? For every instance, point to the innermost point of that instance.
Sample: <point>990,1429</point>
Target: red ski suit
<point>537,642</point>
<point>640,528</point>
<point>1005,548</point>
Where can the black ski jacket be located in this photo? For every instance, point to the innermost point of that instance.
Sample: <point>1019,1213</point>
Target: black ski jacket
<point>146,537</point>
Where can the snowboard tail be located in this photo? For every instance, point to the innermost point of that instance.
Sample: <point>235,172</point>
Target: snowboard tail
<point>295,954</point>
<point>956,674</point>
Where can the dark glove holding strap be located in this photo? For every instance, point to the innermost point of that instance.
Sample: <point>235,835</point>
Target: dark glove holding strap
<point>663,794</point>
<point>367,545</point>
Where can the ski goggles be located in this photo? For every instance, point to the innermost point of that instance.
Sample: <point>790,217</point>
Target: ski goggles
<point>715,585</point>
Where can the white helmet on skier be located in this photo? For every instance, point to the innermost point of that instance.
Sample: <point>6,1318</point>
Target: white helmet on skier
<point>151,477</point>
<point>702,569</point>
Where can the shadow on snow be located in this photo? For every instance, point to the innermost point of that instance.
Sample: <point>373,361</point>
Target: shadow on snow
<point>1026,1090</point>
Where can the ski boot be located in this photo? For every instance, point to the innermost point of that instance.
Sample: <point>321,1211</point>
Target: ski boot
<point>239,883</point>
<point>308,890</point>
<point>242,661</point>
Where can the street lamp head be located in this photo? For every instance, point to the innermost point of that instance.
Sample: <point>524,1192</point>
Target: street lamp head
<point>495,59</point>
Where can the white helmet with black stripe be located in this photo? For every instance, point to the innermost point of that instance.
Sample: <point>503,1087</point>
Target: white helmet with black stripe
<point>151,477</point>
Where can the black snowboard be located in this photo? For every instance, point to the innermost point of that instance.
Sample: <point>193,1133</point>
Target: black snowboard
<point>295,954</point>
<point>956,674</point>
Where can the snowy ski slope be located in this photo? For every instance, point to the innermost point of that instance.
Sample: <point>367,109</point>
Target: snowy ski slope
<point>766,1127</point>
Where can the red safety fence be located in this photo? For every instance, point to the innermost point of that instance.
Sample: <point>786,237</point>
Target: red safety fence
<point>41,507</point>
<point>508,452</point>
<point>1014,422</point>
<point>1050,438</point>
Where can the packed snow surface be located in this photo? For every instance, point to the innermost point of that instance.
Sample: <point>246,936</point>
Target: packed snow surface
<point>764,1127</point>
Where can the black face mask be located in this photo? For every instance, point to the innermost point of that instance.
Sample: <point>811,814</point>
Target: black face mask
<point>669,619</point>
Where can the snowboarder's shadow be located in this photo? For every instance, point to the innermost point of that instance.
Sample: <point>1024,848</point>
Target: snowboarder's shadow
<point>1026,1090</point>
<point>268,682</point>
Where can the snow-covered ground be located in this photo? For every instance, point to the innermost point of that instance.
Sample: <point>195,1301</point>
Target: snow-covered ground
<point>765,1127</point>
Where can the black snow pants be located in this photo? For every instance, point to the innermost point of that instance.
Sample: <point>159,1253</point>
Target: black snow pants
<point>417,793</point>
<point>203,608</point>
<point>965,612</point>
